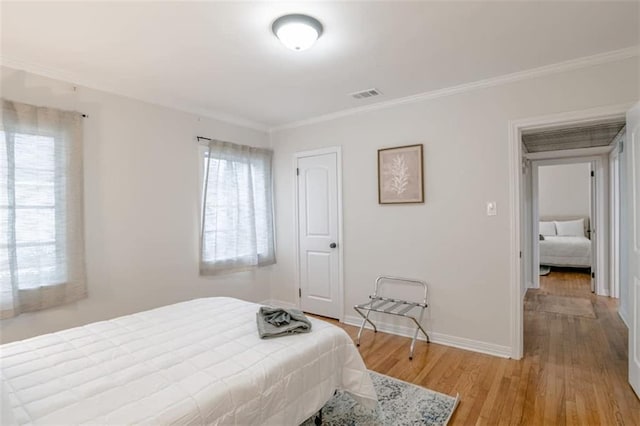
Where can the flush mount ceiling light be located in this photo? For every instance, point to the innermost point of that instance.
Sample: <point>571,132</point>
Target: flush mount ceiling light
<point>297,32</point>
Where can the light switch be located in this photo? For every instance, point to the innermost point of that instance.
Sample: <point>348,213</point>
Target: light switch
<point>492,209</point>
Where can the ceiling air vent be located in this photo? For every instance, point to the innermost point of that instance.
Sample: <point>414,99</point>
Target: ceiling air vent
<point>369,93</point>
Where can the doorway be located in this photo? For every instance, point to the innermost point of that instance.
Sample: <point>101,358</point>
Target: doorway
<point>608,323</point>
<point>566,208</point>
<point>522,242</point>
<point>319,232</point>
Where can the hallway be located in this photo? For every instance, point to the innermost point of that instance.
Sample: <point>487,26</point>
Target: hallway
<point>583,361</point>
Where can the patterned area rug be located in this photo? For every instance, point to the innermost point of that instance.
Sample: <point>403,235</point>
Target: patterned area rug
<point>400,403</point>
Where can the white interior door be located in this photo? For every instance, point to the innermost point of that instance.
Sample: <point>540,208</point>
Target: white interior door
<point>318,226</point>
<point>614,223</point>
<point>633,244</point>
<point>532,225</point>
<point>593,219</point>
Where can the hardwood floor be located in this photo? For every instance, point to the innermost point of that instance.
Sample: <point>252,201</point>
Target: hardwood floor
<point>574,370</point>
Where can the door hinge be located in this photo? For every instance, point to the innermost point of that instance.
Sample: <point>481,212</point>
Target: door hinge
<point>593,275</point>
<point>520,255</point>
<point>620,147</point>
<point>300,293</point>
<point>592,173</point>
<point>297,171</point>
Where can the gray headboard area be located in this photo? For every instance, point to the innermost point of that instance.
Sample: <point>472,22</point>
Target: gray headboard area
<point>587,228</point>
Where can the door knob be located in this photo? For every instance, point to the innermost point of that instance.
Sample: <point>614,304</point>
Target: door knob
<point>333,245</point>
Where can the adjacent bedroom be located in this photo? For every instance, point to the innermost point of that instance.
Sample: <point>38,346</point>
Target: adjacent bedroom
<point>564,213</point>
<point>319,213</point>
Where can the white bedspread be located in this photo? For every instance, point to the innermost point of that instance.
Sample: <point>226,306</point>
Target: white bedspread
<point>565,251</point>
<point>195,362</point>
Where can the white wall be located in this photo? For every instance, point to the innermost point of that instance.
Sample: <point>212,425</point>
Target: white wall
<point>564,190</point>
<point>141,206</point>
<point>141,201</point>
<point>448,241</point>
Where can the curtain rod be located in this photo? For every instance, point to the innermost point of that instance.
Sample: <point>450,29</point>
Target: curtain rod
<point>199,138</point>
<point>83,115</point>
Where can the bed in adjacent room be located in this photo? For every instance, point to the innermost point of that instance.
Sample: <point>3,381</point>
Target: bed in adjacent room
<point>196,362</point>
<point>565,243</point>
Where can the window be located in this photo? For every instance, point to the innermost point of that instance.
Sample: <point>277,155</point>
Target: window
<point>36,241</point>
<point>237,212</point>
<point>41,246</point>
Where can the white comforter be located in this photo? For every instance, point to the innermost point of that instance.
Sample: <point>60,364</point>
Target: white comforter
<point>195,362</point>
<point>565,251</point>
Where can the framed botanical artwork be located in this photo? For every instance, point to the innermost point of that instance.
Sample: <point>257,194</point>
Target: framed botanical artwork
<point>400,178</point>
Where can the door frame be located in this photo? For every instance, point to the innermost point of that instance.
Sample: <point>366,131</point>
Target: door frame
<point>615,189</point>
<point>311,153</point>
<point>598,164</point>
<point>515,129</point>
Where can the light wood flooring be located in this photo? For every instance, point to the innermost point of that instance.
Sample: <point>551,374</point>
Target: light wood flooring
<point>574,370</point>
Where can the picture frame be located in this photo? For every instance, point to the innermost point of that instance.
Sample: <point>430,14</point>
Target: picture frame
<point>400,175</point>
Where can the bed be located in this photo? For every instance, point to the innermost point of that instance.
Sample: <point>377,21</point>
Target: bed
<point>565,242</point>
<point>196,362</point>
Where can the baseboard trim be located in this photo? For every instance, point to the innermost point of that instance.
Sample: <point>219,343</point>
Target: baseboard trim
<point>439,338</point>
<point>623,316</point>
<point>407,331</point>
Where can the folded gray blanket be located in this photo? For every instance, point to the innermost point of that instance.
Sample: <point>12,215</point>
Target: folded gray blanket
<point>276,322</point>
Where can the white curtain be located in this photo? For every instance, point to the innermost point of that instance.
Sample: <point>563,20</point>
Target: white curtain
<point>41,208</point>
<point>237,216</point>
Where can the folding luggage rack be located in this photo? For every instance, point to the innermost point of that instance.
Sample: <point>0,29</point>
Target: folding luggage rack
<point>386,305</point>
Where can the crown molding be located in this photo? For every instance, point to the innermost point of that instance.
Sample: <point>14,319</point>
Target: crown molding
<point>587,61</point>
<point>573,64</point>
<point>57,74</point>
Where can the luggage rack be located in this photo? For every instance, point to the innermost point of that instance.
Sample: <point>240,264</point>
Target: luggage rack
<point>398,307</point>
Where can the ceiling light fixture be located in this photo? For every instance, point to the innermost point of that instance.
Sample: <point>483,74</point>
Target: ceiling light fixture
<point>297,32</point>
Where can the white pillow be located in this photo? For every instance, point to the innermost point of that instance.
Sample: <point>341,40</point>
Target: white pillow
<point>571,228</point>
<point>547,228</point>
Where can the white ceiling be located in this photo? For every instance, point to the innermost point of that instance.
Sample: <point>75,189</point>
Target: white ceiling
<point>222,58</point>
